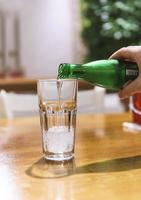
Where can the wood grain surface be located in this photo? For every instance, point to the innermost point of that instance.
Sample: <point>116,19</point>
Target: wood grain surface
<point>29,84</point>
<point>107,163</point>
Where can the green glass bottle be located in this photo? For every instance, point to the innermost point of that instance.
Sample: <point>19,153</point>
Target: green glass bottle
<point>110,74</point>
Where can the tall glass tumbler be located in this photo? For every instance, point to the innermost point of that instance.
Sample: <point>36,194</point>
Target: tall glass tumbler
<point>135,106</point>
<point>58,107</point>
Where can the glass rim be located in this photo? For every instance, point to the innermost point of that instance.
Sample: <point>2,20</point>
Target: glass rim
<point>55,80</point>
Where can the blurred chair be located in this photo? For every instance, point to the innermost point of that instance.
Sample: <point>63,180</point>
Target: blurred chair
<point>91,101</point>
<point>17,105</point>
<point>112,104</point>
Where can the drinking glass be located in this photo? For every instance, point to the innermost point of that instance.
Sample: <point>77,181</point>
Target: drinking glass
<point>58,107</point>
<point>135,107</point>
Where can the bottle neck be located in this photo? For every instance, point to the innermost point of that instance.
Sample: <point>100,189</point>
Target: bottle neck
<point>77,71</point>
<point>67,70</point>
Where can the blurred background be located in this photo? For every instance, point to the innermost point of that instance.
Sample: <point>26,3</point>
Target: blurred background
<point>37,35</point>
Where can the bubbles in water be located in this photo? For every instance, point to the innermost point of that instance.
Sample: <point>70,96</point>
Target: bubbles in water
<point>58,139</point>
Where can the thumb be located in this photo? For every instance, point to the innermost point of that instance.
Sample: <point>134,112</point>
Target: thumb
<point>132,88</point>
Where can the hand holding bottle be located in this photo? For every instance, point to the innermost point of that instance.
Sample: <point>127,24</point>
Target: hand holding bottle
<point>110,74</point>
<point>130,53</point>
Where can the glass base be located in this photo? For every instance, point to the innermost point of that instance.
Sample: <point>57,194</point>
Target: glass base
<point>44,168</point>
<point>58,157</point>
<point>130,126</point>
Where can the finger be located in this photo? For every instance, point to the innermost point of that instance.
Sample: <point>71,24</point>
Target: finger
<point>132,88</point>
<point>124,53</point>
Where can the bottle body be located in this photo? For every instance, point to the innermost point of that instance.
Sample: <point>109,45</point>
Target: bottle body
<point>110,74</point>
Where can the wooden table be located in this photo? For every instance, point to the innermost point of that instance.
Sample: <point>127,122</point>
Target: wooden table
<point>29,84</point>
<point>21,84</point>
<point>107,162</point>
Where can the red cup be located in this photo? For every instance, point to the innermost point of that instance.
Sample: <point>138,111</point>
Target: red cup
<point>136,108</point>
